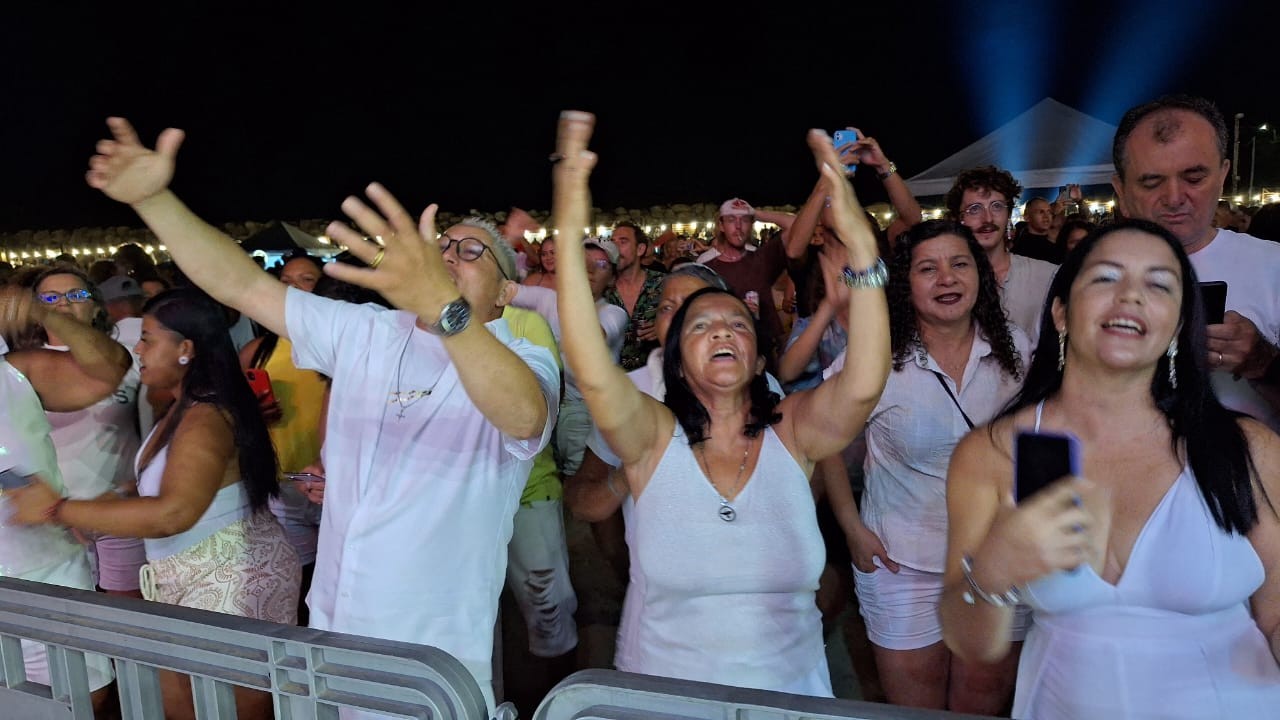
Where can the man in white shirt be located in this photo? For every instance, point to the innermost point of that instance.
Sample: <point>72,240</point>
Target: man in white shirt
<point>982,200</point>
<point>1171,163</point>
<point>436,411</point>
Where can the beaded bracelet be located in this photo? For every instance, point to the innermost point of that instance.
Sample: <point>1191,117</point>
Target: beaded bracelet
<point>975,592</point>
<point>51,513</point>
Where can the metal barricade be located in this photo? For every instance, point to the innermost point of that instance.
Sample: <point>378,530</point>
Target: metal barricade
<point>310,673</point>
<point>611,695</point>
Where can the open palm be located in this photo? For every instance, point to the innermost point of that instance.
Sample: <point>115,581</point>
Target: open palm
<point>126,170</point>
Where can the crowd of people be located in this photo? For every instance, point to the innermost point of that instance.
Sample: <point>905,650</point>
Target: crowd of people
<point>171,432</point>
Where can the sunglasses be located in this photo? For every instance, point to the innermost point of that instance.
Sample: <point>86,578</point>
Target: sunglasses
<point>75,296</point>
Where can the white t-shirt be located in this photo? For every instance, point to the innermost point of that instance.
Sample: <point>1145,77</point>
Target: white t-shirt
<point>910,435</point>
<point>128,332</point>
<point>1024,291</point>
<point>613,320</point>
<point>1251,268</point>
<point>418,510</point>
<point>96,445</point>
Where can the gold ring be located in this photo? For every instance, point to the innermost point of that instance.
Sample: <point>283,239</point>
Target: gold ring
<point>377,259</point>
<point>1219,362</point>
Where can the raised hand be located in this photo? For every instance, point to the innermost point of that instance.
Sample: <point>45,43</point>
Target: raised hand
<point>572,196</point>
<point>19,310</point>
<point>407,269</point>
<point>126,170</point>
<point>847,217</point>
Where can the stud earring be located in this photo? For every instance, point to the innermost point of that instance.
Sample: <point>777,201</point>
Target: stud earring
<point>183,360</point>
<point>1062,349</point>
<point>1172,354</point>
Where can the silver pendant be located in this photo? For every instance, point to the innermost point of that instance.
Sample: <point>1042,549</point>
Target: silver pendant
<point>727,513</point>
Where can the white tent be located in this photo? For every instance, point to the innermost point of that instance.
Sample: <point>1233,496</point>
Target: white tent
<point>1047,146</point>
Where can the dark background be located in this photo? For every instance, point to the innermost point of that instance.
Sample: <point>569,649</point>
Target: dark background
<point>289,107</point>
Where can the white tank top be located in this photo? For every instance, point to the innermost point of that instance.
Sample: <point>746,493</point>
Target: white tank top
<point>726,602</point>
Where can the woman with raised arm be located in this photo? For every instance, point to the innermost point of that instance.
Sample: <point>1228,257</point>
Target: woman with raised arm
<point>204,475</point>
<point>1155,583</point>
<point>726,551</point>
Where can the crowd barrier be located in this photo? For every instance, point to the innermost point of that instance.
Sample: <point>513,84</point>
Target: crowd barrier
<point>311,674</point>
<point>611,695</point>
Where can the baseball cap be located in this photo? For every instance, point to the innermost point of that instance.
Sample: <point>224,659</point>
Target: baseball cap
<point>736,206</point>
<point>119,287</point>
<point>608,246</point>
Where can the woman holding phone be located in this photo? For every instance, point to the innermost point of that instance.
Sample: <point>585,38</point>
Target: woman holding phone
<point>1155,583</point>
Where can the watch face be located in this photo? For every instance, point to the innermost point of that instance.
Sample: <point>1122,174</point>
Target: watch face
<point>455,317</point>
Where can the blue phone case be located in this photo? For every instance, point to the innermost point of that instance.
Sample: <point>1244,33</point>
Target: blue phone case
<point>844,137</point>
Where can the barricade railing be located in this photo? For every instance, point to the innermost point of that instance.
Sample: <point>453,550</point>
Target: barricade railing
<point>311,674</point>
<point>612,695</point>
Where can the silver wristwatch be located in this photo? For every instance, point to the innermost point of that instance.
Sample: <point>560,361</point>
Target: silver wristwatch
<point>454,318</point>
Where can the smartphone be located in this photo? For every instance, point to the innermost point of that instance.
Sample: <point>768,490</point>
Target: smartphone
<point>844,137</point>
<point>12,480</point>
<point>1040,459</point>
<point>303,476</point>
<point>1214,295</point>
<point>260,383</point>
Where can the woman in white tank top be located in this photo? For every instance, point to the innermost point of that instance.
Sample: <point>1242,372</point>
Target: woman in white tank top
<point>725,534</point>
<point>1155,582</point>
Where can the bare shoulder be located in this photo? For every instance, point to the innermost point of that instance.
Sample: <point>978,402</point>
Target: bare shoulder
<point>203,422</point>
<point>984,456</point>
<point>1264,449</point>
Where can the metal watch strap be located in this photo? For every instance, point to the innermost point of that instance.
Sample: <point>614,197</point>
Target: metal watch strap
<point>455,316</point>
<point>893,168</point>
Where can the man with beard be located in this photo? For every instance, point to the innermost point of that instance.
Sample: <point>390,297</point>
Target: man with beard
<point>981,199</point>
<point>635,289</point>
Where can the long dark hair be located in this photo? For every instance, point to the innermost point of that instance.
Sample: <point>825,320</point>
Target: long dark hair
<point>214,377</point>
<point>904,329</point>
<point>690,411</point>
<point>1216,447</point>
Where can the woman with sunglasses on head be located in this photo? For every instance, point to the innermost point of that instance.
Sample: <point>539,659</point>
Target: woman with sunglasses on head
<point>1154,578</point>
<point>204,475</point>
<point>726,551</point>
<point>96,445</point>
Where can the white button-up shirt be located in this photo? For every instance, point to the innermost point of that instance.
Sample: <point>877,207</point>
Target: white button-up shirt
<point>418,510</point>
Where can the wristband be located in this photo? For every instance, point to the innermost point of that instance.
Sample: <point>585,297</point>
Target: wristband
<point>975,591</point>
<point>51,513</point>
<point>873,277</point>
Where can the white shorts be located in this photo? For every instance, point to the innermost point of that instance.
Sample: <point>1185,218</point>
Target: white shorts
<point>538,575</point>
<point>73,573</point>
<point>901,609</point>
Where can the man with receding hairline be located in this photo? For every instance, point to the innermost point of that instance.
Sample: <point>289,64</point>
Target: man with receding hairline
<point>1171,164</point>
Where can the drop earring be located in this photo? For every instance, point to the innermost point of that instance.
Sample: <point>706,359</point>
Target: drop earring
<point>1172,354</point>
<point>1062,349</point>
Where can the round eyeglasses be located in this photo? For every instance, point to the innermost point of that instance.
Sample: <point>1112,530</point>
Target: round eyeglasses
<point>995,208</point>
<point>470,249</point>
<point>75,296</point>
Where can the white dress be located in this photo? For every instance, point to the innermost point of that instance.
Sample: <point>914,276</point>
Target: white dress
<point>726,602</point>
<point>1173,638</point>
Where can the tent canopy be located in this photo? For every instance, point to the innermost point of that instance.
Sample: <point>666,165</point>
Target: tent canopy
<point>282,237</point>
<point>1049,145</point>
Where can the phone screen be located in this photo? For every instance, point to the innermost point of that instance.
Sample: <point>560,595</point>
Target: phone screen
<point>1214,295</point>
<point>1040,459</point>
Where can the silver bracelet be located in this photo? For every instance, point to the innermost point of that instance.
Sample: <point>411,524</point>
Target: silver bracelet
<point>975,592</point>
<point>869,279</point>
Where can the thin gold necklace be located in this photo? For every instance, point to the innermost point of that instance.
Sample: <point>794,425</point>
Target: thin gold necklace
<point>726,512</point>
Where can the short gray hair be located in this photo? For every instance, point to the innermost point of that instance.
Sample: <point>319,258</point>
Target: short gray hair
<point>502,250</point>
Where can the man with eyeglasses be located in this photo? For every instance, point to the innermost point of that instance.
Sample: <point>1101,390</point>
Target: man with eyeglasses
<point>981,199</point>
<point>436,410</point>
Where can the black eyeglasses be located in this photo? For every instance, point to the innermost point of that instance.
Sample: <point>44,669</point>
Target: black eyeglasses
<point>995,208</point>
<point>75,296</point>
<point>470,249</point>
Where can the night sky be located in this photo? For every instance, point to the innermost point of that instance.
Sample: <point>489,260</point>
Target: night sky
<point>289,107</point>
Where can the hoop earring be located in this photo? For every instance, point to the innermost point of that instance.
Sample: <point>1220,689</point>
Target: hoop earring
<point>1172,354</point>
<point>183,360</point>
<point>1062,349</point>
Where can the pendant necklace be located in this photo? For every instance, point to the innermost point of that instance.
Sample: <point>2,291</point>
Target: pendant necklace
<point>726,511</point>
<point>406,398</point>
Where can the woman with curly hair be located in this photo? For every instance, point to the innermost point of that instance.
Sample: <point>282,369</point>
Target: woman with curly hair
<point>956,361</point>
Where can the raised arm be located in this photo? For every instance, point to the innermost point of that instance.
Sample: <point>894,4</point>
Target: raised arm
<point>800,234</point>
<point>797,355</point>
<point>903,201</point>
<point>818,431</point>
<point>627,418</point>
<point>127,171</point>
<point>91,369</point>
<point>409,271</point>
